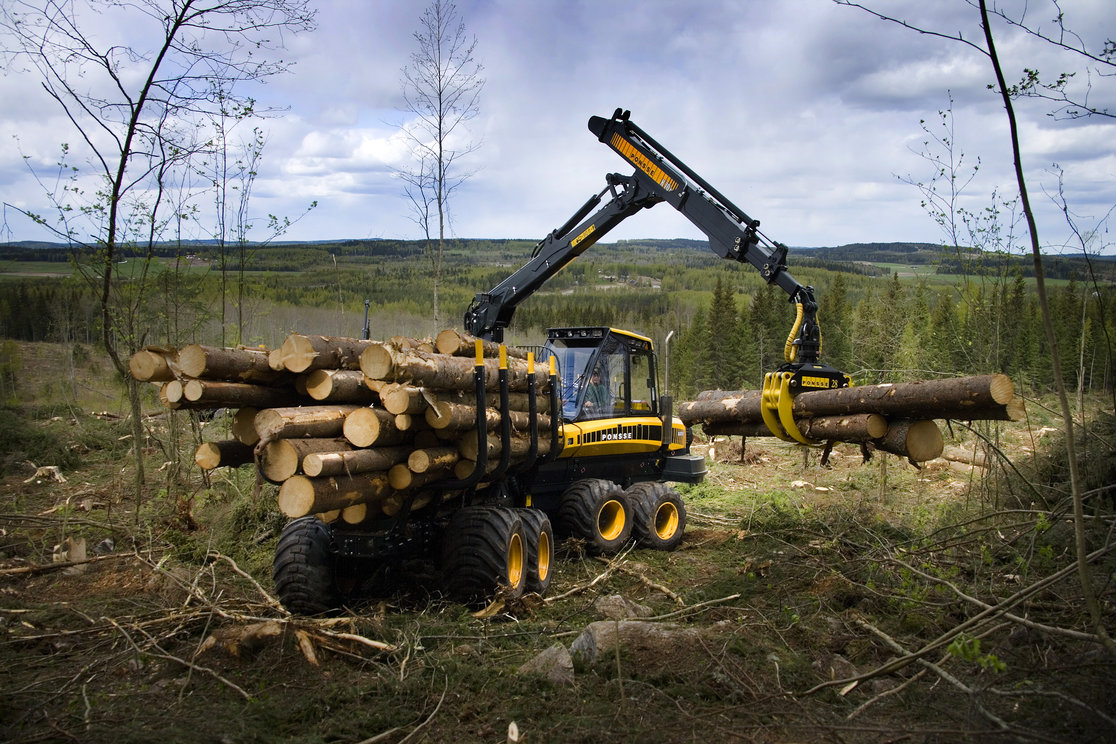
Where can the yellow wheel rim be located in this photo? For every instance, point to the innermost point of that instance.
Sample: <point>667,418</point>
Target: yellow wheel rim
<point>515,560</point>
<point>610,519</point>
<point>544,556</point>
<point>666,520</point>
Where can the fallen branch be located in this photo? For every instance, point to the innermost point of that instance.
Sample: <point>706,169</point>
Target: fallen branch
<point>991,613</point>
<point>183,662</point>
<point>36,568</point>
<point>647,582</point>
<point>613,565</point>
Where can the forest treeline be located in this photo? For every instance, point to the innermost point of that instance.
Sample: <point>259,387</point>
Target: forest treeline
<point>729,326</point>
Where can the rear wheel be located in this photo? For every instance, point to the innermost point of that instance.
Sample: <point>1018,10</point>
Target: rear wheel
<point>540,549</point>
<point>303,568</point>
<point>658,515</point>
<point>484,550</point>
<point>598,512</point>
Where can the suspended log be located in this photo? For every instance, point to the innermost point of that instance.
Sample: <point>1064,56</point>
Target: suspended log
<point>963,398</point>
<point>221,363</point>
<point>354,461</point>
<point>300,495</point>
<point>954,398</point>
<point>152,364</point>
<point>244,427</point>
<point>918,441</point>
<point>862,427</point>
<point>304,353</point>
<point>224,454</point>
<point>302,421</point>
<point>219,394</point>
<point>339,386</point>
<point>365,427</point>
<point>172,394</point>
<point>439,371</point>
<point>281,458</point>
<point>432,458</point>
<point>456,343</point>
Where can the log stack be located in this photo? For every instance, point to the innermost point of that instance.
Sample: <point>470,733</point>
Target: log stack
<point>349,428</point>
<point>894,417</point>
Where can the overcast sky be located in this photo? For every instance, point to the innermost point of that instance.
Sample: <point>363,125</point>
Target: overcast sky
<point>805,114</point>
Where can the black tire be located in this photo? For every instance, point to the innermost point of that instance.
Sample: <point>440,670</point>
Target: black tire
<point>597,511</point>
<point>540,549</point>
<point>658,515</point>
<point>303,568</point>
<point>485,550</point>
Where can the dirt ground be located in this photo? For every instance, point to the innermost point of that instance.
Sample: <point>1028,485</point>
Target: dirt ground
<point>846,603</point>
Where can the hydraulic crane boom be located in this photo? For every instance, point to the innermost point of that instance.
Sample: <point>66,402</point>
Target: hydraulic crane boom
<point>659,176</point>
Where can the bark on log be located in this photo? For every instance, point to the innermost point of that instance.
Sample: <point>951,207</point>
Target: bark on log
<point>953,398</point>
<point>244,426</point>
<point>281,458</point>
<point>467,446</point>
<point>458,417</point>
<point>339,386</point>
<point>222,363</point>
<point>918,441</point>
<point>224,454</point>
<point>862,427</point>
<point>300,495</point>
<point>440,371</point>
<point>173,393</point>
<point>302,421</point>
<point>152,365</point>
<point>219,394</point>
<point>399,399</point>
<point>354,461</point>
<point>433,458</point>
<point>365,427</point>
<point>393,504</point>
<point>456,343</point>
<point>304,353</point>
<point>975,458</point>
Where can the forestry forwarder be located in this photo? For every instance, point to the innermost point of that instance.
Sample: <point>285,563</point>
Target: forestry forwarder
<point>603,478</point>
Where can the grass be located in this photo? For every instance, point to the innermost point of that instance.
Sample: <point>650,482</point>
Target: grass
<point>791,576</point>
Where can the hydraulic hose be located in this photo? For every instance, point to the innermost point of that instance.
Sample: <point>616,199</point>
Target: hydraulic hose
<point>790,351</point>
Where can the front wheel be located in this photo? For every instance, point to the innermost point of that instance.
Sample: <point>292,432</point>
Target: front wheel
<point>303,568</point>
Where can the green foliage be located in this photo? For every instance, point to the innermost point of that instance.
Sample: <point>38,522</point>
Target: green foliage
<point>967,649</point>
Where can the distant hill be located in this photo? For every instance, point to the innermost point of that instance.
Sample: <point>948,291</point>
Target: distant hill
<point>861,258</point>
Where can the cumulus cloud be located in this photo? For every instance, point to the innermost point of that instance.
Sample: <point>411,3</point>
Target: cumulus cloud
<point>806,114</point>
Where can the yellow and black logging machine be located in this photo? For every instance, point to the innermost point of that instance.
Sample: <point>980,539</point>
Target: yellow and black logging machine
<point>601,469</point>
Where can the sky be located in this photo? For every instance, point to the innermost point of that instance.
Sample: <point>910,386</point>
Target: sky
<point>807,115</point>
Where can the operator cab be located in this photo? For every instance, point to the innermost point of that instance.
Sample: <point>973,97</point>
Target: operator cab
<point>603,373</point>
